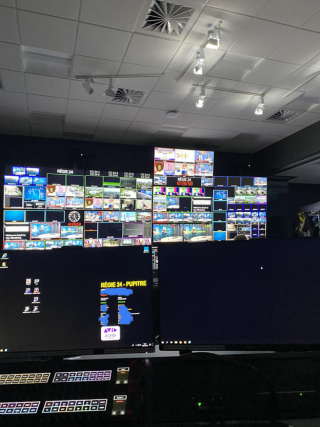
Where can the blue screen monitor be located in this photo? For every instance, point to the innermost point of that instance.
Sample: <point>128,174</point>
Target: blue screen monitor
<point>13,216</point>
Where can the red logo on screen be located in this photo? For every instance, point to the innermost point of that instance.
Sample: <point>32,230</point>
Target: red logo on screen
<point>74,224</point>
<point>185,183</point>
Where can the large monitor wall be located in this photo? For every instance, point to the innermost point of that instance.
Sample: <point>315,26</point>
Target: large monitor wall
<point>192,205</point>
<point>47,208</point>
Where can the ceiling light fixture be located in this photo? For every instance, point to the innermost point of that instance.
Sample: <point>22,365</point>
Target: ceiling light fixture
<point>88,85</point>
<point>110,91</point>
<point>214,39</point>
<point>260,108</point>
<point>200,60</point>
<point>202,97</point>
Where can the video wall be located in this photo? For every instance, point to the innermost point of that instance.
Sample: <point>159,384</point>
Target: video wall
<point>47,208</point>
<point>192,205</point>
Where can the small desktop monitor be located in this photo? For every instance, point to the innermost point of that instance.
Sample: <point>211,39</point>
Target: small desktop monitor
<point>247,295</point>
<point>73,301</point>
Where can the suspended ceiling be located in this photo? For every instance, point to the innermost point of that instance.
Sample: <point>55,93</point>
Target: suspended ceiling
<point>267,46</point>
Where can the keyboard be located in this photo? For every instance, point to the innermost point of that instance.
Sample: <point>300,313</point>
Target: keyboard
<point>80,376</point>
<point>35,378</point>
<point>14,408</point>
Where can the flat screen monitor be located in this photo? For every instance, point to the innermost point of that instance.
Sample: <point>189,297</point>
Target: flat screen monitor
<point>98,203</point>
<point>247,295</point>
<point>73,300</point>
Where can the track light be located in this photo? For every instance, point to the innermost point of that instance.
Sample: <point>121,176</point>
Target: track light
<point>202,97</point>
<point>260,107</point>
<point>214,39</point>
<point>88,85</point>
<point>200,60</point>
<point>110,91</point>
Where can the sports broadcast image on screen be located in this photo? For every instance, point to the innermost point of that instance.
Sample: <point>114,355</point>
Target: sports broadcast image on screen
<point>202,206</point>
<point>46,208</point>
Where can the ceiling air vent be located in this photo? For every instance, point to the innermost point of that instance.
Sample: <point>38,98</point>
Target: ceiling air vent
<point>167,18</point>
<point>127,96</point>
<point>284,116</point>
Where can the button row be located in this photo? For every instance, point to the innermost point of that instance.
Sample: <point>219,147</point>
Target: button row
<point>19,408</point>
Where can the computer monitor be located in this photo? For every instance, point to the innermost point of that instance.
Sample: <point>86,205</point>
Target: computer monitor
<point>243,295</point>
<point>73,300</point>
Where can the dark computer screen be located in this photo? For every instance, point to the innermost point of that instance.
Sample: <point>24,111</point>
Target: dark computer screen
<point>256,294</point>
<point>71,299</point>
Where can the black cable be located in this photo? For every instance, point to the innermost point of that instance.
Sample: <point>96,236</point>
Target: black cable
<point>274,402</point>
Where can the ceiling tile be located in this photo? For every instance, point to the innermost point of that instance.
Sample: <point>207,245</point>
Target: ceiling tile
<point>150,51</point>
<point>271,73</point>
<point>183,55</point>
<point>232,27</point>
<point>235,66</point>
<point>47,104</point>
<point>227,109</point>
<point>114,111</point>
<point>303,74</point>
<point>209,134</point>
<point>168,83</point>
<point>84,108</point>
<point>8,25</point>
<point>290,12</point>
<point>80,124</point>
<point>13,81</point>
<point>189,105</point>
<point>299,49</point>
<point>186,120</point>
<point>13,114</point>
<point>303,103</point>
<point>313,24</point>
<point>82,65</point>
<point>77,91</point>
<point>110,124</point>
<point>62,8</point>
<point>9,3</point>
<point>274,97</point>
<point>48,86</point>
<point>111,130</point>
<point>13,100</point>
<point>120,14</point>
<point>261,38</point>
<point>99,42</point>
<point>306,119</point>
<point>148,115</point>
<point>314,63</point>
<point>164,101</point>
<point>240,99</point>
<point>228,124</point>
<point>246,7</point>
<point>46,32</point>
<point>145,84</point>
<point>46,131</point>
<point>139,133</point>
